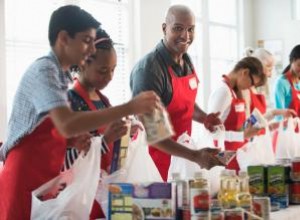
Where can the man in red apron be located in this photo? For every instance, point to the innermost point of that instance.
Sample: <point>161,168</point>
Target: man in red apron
<point>168,71</point>
<point>41,118</point>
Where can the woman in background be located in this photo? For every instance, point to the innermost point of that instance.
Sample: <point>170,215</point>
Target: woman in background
<point>287,86</point>
<point>258,97</point>
<point>227,99</point>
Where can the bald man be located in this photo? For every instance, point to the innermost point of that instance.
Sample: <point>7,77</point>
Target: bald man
<point>169,72</point>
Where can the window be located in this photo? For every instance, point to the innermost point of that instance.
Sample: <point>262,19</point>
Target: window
<point>26,38</point>
<point>216,43</point>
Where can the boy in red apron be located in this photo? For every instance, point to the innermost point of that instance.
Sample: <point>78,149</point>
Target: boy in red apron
<point>41,119</point>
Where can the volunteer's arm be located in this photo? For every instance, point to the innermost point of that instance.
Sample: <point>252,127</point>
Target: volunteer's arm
<point>70,123</point>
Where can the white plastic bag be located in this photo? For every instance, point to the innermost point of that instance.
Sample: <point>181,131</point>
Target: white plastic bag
<point>259,151</point>
<point>187,168</point>
<point>102,190</point>
<point>286,140</point>
<point>139,165</point>
<point>139,168</point>
<point>72,192</point>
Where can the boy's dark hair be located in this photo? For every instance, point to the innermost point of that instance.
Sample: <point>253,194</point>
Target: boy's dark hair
<point>71,19</point>
<point>294,55</point>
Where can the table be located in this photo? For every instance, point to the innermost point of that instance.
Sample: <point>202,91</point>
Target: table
<point>291,213</point>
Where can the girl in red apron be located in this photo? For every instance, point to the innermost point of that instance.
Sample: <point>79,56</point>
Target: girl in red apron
<point>86,96</point>
<point>35,155</point>
<point>227,100</point>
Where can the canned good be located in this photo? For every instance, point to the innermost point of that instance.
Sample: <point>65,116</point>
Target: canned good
<point>295,193</point>
<point>296,168</point>
<point>262,207</point>
<point>201,216</point>
<point>234,214</point>
<point>257,180</point>
<point>186,213</point>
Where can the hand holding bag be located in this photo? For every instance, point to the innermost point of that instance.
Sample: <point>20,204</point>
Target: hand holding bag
<point>71,194</point>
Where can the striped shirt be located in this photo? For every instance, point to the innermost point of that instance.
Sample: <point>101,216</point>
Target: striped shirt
<point>78,104</point>
<point>42,88</point>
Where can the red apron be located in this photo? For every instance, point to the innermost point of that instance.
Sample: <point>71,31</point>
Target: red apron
<point>106,158</point>
<point>234,122</point>
<point>295,103</point>
<point>181,110</point>
<point>258,101</point>
<point>35,160</point>
<point>96,211</point>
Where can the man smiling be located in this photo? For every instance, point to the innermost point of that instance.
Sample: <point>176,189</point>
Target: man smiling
<point>169,72</point>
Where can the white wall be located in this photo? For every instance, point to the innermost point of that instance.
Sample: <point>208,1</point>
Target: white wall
<point>3,122</point>
<point>148,17</point>
<point>273,20</point>
<point>247,25</point>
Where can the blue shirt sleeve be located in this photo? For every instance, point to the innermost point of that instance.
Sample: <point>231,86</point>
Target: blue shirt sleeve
<point>282,94</point>
<point>50,91</point>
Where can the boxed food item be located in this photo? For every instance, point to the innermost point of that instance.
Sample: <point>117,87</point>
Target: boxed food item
<point>152,201</point>
<point>257,180</point>
<point>257,120</point>
<point>120,206</point>
<point>277,186</point>
<point>120,149</point>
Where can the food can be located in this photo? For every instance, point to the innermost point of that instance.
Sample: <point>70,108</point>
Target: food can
<point>295,169</point>
<point>295,193</point>
<point>234,214</point>
<point>262,207</point>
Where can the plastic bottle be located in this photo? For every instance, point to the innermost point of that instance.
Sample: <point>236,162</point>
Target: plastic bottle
<point>179,195</point>
<point>222,194</point>
<point>232,190</point>
<point>244,196</point>
<point>199,196</point>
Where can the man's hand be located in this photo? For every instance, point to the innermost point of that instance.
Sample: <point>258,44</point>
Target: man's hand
<point>206,158</point>
<point>212,120</point>
<point>81,142</point>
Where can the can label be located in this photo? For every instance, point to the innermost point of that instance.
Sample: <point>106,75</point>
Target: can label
<point>262,207</point>
<point>199,201</point>
<point>295,192</point>
<point>234,215</point>
<point>296,168</point>
<point>257,180</point>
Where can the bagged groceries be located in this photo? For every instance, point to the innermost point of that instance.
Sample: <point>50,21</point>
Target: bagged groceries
<point>158,126</point>
<point>288,144</point>
<point>187,168</point>
<point>256,152</point>
<point>71,194</point>
<point>138,168</point>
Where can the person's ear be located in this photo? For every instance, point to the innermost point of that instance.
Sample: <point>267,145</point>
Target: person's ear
<point>245,72</point>
<point>164,27</point>
<point>63,37</point>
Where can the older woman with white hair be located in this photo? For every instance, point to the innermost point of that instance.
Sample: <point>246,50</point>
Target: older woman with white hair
<point>259,97</point>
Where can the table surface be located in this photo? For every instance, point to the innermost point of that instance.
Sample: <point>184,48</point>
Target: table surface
<point>291,213</point>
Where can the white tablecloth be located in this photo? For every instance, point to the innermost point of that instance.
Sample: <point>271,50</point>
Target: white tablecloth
<point>291,213</point>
